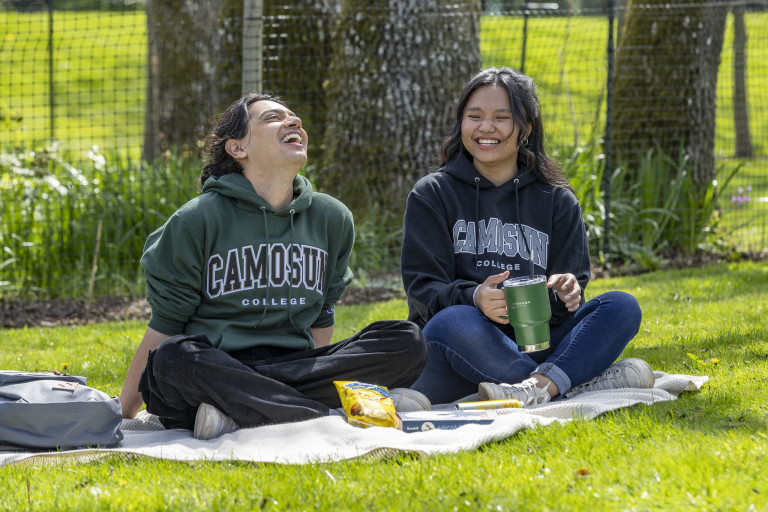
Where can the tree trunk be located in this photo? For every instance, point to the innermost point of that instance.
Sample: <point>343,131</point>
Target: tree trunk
<point>397,72</point>
<point>740,110</point>
<point>194,70</point>
<point>297,54</point>
<point>666,71</point>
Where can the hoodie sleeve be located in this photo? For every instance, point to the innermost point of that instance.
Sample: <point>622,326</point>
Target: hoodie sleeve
<point>173,272</point>
<point>427,262</point>
<point>338,268</point>
<point>569,252</point>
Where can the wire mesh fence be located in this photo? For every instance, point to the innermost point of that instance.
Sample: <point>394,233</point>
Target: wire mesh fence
<point>102,104</point>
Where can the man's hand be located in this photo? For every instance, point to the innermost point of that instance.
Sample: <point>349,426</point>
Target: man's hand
<point>490,299</point>
<point>567,288</point>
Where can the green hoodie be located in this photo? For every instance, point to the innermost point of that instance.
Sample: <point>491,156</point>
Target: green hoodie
<point>228,266</point>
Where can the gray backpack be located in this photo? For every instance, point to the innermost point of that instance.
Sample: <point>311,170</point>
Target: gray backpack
<point>46,410</point>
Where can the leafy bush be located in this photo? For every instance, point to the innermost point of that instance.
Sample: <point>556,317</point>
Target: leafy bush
<point>71,229</point>
<point>656,212</point>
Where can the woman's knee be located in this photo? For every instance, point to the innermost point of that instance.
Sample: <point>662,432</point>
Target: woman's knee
<point>626,306</point>
<point>454,323</point>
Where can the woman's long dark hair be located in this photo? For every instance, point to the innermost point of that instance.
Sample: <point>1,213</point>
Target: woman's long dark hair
<point>231,124</point>
<point>525,110</point>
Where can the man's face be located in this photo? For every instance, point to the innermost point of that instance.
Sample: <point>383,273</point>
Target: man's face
<point>275,136</point>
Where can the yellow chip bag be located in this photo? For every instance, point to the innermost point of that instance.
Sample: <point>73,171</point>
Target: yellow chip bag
<point>366,404</point>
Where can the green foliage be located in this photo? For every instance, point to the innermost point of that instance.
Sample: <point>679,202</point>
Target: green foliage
<point>703,451</point>
<point>76,229</point>
<point>377,243</point>
<point>54,199</point>
<point>656,212</point>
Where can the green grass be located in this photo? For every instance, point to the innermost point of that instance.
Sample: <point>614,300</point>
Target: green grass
<point>99,76</point>
<point>708,450</point>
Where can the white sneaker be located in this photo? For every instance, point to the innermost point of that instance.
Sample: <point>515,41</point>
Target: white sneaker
<point>627,373</point>
<point>409,400</point>
<point>527,392</point>
<point>211,422</point>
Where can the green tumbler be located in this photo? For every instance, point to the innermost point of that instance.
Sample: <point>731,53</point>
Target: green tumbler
<point>528,311</point>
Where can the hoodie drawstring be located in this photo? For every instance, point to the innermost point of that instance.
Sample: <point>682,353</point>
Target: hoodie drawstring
<point>520,225</point>
<point>477,217</point>
<point>290,281</point>
<point>266,235</point>
<point>269,270</point>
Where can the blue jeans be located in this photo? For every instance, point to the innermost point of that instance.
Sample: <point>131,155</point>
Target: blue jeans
<point>466,348</point>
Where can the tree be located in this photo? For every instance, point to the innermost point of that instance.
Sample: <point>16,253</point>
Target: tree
<point>297,54</point>
<point>194,70</point>
<point>666,72</point>
<point>397,70</point>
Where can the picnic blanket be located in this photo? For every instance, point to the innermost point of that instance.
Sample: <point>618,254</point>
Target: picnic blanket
<point>333,439</point>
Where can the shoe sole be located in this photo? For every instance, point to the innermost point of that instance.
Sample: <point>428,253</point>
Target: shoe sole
<point>409,397</point>
<point>485,391</point>
<point>646,377</point>
<point>202,429</point>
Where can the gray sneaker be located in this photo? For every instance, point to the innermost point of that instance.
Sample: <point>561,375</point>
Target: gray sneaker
<point>627,373</point>
<point>211,422</point>
<point>527,392</point>
<point>409,400</point>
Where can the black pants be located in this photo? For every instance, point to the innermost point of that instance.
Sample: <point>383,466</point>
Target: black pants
<point>274,385</point>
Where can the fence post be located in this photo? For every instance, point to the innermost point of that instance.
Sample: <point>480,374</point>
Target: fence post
<point>525,36</point>
<point>253,31</point>
<point>607,150</point>
<point>51,96</point>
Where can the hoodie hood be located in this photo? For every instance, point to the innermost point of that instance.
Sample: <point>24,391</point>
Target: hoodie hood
<point>238,188</point>
<point>462,168</point>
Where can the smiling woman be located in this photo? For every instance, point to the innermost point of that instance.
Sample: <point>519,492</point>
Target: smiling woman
<point>498,208</point>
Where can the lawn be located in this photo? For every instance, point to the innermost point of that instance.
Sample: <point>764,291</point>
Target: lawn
<point>708,450</point>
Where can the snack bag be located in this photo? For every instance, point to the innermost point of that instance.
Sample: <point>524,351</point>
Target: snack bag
<point>366,404</point>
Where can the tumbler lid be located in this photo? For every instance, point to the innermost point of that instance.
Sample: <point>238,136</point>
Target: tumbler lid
<point>525,280</point>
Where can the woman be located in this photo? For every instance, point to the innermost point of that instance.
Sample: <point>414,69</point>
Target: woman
<point>500,207</point>
<point>243,280</point>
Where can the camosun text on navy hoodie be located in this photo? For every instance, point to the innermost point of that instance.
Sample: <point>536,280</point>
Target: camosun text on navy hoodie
<point>460,228</point>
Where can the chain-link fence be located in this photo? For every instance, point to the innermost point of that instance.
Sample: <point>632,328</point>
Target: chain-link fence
<point>102,103</point>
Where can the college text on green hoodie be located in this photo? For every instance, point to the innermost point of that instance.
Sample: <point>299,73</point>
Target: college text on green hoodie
<point>227,265</point>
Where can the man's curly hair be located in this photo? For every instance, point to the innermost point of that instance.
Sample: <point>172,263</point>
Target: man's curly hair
<point>231,124</point>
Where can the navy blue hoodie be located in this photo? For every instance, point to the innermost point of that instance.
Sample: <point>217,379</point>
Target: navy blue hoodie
<point>460,228</point>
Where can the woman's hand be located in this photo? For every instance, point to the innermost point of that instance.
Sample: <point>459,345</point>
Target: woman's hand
<point>567,288</point>
<point>490,299</point>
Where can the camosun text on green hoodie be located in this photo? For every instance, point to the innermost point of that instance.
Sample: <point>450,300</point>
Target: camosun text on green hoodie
<point>227,265</point>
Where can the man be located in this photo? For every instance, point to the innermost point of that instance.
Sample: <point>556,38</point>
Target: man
<point>243,280</point>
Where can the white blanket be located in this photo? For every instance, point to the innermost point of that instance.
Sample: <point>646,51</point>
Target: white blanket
<point>332,439</point>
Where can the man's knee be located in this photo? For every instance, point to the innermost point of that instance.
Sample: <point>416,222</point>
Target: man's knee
<point>177,351</point>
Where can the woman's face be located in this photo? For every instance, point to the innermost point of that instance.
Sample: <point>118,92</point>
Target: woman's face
<point>490,134</point>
